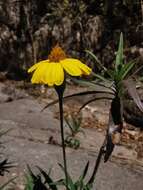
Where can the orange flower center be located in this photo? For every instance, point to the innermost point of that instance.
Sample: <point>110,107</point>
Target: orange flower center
<point>56,54</point>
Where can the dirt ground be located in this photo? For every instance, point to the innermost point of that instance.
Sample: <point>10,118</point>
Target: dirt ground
<point>29,139</point>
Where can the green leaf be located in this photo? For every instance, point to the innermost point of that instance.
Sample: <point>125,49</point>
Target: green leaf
<point>48,179</point>
<point>111,73</point>
<point>114,125</point>
<point>100,77</point>
<point>94,84</point>
<point>29,183</point>
<point>68,124</point>
<point>78,94</point>
<point>71,185</point>
<point>119,56</point>
<point>96,59</point>
<point>95,99</point>
<point>126,69</point>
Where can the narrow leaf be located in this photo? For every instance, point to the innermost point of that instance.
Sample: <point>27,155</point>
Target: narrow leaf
<point>119,56</point>
<point>125,70</point>
<point>70,181</point>
<point>94,99</point>
<point>99,77</point>
<point>96,59</point>
<point>114,125</point>
<point>77,94</point>
<point>94,84</point>
<point>48,179</point>
<point>131,87</point>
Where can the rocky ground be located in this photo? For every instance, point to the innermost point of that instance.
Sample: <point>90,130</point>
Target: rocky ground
<point>34,139</point>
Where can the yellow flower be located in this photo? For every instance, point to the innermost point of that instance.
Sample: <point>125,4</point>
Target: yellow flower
<point>51,71</point>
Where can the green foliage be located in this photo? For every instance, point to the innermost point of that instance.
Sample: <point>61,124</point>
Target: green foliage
<point>29,183</point>
<point>80,183</point>
<point>120,71</point>
<point>114,84</point>
<point>43,181</point>
<point>120,82</point>
<point>119,56</point>
<point>72,142</point>
<point>73,122</point>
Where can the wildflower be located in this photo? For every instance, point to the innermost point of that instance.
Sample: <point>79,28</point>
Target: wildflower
<point>52,71</point>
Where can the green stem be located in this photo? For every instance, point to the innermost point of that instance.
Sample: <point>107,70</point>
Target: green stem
<point>62,138</point>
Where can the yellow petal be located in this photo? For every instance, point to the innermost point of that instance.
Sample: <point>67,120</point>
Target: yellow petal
<point>58,74</point>
<point>85,69</point>
<point>54,74</point>
<point>75,67</point>
<point>71,67</point>
<point>35,66</point>
<point>47,79</point>
<point>39,73</point>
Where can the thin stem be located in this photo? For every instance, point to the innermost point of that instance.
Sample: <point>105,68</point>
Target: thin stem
<point>62,138</point>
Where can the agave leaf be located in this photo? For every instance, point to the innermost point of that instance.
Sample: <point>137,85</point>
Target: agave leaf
<point>114,125</point>
<point>97,163</point>
<point>48,179</point>
<point>109,143</point>
<point>119,56</point>
<point>93,84</point>
<point>96,59</point>
<point>132,114</point>
<point>125,70</point>
<point>131,88</point>
<point>100,77</point>
<point>138,69</point>
<point>111,73</point>
<point>77,94</point>
<point>94,99</point>
<point>85,83</point>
